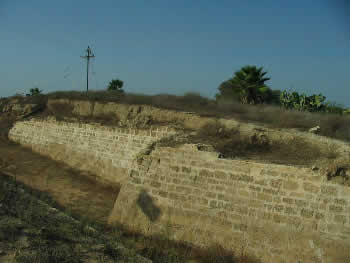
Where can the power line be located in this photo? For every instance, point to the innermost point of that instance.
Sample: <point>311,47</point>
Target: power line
<point>67,72</point>
<point>94,75</point>
<point>87,57</point>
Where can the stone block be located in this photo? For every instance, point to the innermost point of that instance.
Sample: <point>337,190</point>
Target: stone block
<point>242,178</point>
<point>242,210</point>
<point>290,185</point>
<point>206,173</point>
<point>198,200</point>
<point>270,191</point>
<point>297,194</point>
<point>307,213</point>
<point>276,183</point>
<point>254,188</point>
<point>163,194</point>
<point>340,219</point>
<point>277,199</point>
<point>269,172</point>
<point>212,181</point>
<point>210,195</point>
<point>182,189</point>
<point>288,200</point>
<point>329,190</point>
<point>277,218</point>
<point>220,175</point>
<point>174,168</point>
<point>339,201</point>
<point>220,188</point>
<point>177,197</point>
<point>336,209</point>
<point>265,197</point>
<point>186,169</point>
<point>290,210</point>
<point>241,227</point>
<point>311,188</point>
<point>301,203</point>
<point>278,208</point>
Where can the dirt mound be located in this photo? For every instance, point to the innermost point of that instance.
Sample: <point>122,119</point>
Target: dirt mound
<point>139,116</point>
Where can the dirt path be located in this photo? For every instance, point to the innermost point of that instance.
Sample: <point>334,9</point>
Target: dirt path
<point>70,188</point>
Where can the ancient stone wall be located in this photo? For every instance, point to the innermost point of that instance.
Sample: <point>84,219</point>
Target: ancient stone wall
<point>277,213</point>
<point>107,152</point>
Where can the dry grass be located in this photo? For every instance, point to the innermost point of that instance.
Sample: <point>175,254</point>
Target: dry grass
<point>61,111</point>
<point>231,144</point>
<point>38,99</point>
<point>337,170</point>
<point>332,125</point>
<point>336,126</point>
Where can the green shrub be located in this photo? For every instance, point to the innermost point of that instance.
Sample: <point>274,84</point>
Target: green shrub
<point>34,92</point>
<point>116,85</point>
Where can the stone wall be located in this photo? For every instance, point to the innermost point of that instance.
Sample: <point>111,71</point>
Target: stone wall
<point>107,152</point>
<point>277,213</point>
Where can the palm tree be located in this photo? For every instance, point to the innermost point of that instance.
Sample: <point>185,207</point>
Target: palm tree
<point>247,85</point>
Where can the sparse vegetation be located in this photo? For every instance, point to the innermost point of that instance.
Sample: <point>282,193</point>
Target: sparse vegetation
<point>231,144</point>
<point>273,116</point>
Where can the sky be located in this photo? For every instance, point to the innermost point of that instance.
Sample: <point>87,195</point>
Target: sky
<point>175,47</point>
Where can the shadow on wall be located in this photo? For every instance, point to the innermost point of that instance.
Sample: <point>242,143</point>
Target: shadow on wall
<point>145,202</point>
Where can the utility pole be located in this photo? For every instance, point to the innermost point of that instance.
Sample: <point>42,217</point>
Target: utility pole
<point>87,57</point>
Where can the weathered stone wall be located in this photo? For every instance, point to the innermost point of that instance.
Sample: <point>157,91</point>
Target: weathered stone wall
<point>278,213</point>
<point>107,152</point>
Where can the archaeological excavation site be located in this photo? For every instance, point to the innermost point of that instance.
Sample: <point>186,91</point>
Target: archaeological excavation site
<point>260,192</point>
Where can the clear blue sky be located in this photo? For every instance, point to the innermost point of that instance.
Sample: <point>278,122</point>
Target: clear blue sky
<point>175,46</point>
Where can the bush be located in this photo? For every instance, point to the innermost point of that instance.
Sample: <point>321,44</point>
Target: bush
<point>195,98</point>
<point>115,85</point>
<point>34,92</point>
